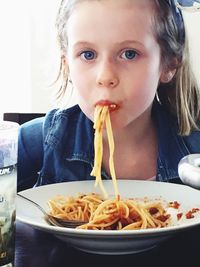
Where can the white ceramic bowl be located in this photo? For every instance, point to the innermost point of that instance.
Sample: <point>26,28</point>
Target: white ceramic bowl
<point>109,241</point>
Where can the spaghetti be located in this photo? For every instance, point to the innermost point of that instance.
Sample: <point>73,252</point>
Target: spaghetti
<point>110,214</point>
<point>127,215</point>
<point>78,208</point>
<point>101,118</point>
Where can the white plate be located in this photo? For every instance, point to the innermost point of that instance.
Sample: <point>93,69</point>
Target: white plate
<point>109,241</point>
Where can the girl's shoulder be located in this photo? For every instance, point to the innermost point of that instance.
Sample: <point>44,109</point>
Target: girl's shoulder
<point>59,113</point>
<point>32,129</point>
<point>168,133</point>
<point>62,118</point>
<point>62,125</point>
<point>193,141</point>
<point>38,128</point>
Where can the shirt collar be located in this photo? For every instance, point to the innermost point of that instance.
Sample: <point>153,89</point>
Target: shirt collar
<point>79,137</point>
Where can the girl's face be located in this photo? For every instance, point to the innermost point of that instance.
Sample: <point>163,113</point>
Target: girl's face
<point>113,56</point>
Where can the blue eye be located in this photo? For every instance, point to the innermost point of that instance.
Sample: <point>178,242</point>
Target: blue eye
<point>129,54</point>
<point>88,55</point>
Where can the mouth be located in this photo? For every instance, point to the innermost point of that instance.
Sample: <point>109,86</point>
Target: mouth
<point>111,105</point>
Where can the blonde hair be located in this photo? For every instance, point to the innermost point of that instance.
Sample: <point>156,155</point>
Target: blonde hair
<point>181,96</point>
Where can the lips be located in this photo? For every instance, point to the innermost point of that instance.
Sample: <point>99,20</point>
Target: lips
<point>111,105</point>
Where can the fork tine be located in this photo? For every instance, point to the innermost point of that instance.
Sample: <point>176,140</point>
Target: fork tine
<point>62,223</point>
<point>52,221</point>
<point>70,224</point>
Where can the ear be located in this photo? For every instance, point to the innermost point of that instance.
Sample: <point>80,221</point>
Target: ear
<point>167,76</point>
<point>64,65</point>
<point>64,61</point>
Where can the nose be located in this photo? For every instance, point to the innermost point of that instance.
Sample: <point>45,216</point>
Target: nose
<point>107,76</point>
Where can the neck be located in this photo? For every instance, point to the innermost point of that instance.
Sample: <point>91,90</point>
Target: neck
<point>135,152</point>
<point>135,132</point>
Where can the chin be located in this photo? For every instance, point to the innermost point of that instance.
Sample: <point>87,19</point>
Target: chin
<point>118,124</point>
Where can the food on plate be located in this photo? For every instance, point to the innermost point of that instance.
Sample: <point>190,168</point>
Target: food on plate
<point>111,214</point>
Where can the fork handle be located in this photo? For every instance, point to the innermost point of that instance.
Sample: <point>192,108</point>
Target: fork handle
<point>33,202</point>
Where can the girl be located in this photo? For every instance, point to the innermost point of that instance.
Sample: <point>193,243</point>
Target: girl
<point>130,54</point>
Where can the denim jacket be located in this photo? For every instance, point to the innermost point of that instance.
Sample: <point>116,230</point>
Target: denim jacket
<point>59,148</point>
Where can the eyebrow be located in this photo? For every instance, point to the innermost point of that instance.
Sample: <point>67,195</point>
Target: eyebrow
<point>126,42</point>
<point>82,43</point>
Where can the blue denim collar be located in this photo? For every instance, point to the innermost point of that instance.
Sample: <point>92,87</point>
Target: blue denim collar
<point>72,133</point>
<point>81,135</point>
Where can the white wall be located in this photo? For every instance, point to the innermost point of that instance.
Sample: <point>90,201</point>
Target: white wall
<point>44,53</point>
<point>28,55</point>
<point>192,22</point>
<point>15,54</point>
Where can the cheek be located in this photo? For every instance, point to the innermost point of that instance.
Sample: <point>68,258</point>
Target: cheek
<point>138,98</point>
<point>86,109</point>
<point>147,83</point>
<point>143,91</point>
<point>81,77</point>
<point>82,88</point>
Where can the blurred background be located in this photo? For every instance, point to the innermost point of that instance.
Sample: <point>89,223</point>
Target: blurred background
<point>29,54</point>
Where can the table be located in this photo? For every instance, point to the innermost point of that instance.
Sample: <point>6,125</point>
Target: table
<point>35,248</point>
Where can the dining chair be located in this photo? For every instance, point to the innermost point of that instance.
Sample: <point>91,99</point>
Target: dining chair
<point>21,118</point>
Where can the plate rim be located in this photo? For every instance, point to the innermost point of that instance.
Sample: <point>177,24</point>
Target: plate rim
<point>109,233</point>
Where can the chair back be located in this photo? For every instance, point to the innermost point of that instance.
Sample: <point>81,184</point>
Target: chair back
<point>21,118</point>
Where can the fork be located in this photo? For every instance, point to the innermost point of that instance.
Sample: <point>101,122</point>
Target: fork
<point>51,219</point>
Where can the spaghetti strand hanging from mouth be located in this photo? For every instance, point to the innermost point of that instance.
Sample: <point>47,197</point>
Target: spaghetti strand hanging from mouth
<point>101,118</point>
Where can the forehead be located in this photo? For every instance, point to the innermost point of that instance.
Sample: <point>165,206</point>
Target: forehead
<point>116,17</point>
